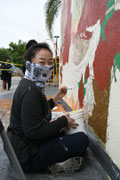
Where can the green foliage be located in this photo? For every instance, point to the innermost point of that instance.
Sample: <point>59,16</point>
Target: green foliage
<point>4,54</point>
<point>17,52</point>
<point>51,11</point>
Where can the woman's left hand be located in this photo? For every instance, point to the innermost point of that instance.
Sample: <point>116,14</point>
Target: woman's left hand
<point>60,94</point>
<point>52,120</point>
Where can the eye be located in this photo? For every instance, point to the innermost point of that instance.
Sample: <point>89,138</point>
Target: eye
<point>50,63</point>
<point>41,63</point>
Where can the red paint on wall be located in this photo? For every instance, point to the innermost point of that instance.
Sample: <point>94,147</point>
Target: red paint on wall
<point>67,35</point>
<point>107,50</point>
<point>61,73</point>
<point>81,93</point>
<point>92,12</point>
<point>87,72</point>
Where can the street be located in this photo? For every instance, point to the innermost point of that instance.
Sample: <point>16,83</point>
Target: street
<point>9,94</point>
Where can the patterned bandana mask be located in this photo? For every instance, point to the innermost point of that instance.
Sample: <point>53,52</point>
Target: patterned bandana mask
<point>38,73</point>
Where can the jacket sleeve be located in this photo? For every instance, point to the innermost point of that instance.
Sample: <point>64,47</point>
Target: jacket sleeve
<point>51,103</point>
<point>35,127</point>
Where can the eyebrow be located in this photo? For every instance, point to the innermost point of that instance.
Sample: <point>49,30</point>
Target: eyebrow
<point>44,59</point>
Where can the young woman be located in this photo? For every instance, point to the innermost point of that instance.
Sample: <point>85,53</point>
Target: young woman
<point>37,140</point>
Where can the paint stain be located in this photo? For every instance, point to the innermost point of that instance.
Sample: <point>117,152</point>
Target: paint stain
<point>61,138</point>
<point>66,149</point>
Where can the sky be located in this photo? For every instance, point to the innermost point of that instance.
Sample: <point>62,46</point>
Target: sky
<point>24,20</point>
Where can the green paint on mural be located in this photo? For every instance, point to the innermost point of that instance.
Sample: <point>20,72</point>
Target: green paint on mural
<point>79,84</point>
<point>107,17</point>
<point>114,72</point>
<point>110,3</point>
<point>116,65</point>
<point>85,82</point>
<point>117,60</point>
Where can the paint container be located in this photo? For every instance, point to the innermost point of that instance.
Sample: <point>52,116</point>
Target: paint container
<point>55,108</point>
<point>78,116</point>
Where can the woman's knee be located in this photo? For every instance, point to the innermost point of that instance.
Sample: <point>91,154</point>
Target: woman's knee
<point>83,138</point>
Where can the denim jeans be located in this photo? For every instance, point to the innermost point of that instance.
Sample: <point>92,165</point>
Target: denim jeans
<point>57,149</point>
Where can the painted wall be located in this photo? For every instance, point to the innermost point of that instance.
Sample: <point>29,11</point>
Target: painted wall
<point>90,65</point>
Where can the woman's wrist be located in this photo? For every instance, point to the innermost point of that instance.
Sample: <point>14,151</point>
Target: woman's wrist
<point>56,99</point>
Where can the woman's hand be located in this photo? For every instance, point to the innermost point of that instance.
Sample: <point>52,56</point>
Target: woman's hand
<point>60,94</point>
<point>71,122</point>
<point>53,120</point>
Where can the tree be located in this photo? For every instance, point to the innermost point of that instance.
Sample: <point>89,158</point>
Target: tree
<point>51,11</point>
<point>17,52</point>
<point>4,54</point>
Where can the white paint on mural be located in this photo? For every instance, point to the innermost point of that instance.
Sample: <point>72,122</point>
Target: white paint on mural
<point>72,74</point>
<point>113,128</point>
<point>76,11</point>
<point>117,5</point>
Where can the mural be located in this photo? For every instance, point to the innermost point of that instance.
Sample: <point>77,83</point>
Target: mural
<point>90,62</point>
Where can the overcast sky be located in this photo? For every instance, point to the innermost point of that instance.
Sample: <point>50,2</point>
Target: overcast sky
<point>24,20</point>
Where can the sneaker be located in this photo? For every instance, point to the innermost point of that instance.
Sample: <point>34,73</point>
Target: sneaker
<point>55,168</point>
<point>69,166</point>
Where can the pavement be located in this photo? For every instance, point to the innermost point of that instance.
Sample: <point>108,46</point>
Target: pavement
<point>6,101</point>
<point>91,170</point>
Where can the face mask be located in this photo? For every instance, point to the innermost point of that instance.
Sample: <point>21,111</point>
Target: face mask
<point>38,73</point>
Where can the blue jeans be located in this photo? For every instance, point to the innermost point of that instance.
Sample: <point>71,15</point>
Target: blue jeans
<point>57,149</point>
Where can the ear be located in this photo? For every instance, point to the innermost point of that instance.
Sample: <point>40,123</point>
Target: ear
<point>33,60</point>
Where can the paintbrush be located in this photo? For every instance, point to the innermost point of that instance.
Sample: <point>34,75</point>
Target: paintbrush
<point>69,88</point>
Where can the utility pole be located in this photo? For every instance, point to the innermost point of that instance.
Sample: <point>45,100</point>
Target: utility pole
<point>56,47</point>
<point>38,38</point>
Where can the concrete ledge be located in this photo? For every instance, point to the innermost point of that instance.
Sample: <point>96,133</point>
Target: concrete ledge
<point>103,158</point>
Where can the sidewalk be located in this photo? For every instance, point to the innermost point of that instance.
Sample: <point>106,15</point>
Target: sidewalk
<point>5,94</point>
<point>5,106</point>
<point>6,101</point>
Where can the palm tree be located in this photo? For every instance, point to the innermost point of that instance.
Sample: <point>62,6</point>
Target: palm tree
<point>51,11</point>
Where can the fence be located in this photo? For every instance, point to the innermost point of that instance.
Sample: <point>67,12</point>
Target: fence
<point>54,79</point>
